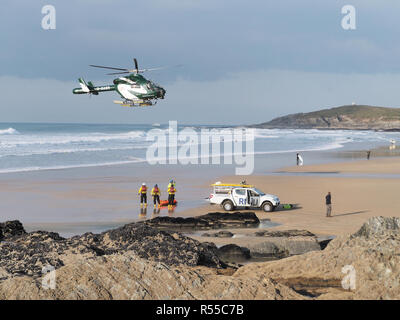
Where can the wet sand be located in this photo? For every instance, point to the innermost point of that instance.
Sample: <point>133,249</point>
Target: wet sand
<point>77,201</point>
<point>384,166</point>
<point>354,199</point>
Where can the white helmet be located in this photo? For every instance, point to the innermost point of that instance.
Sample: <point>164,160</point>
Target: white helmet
<point>143,184</point>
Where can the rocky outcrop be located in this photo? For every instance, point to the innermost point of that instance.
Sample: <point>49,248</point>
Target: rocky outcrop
<point>219,234</point>
<point>233,253</point>
<point>323,241</point>
<point>284,233</point>
<point>378,226</point>
<point>371,257</point>
<point>11,228</point>
<point>92,268</point>
<point>353,117</point>
<point>127,276</point>
<point>27,254</point>
<point>213,220</point>
<point>279,244</point>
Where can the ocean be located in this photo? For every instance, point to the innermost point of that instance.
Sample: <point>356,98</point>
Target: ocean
<point>34,146</point>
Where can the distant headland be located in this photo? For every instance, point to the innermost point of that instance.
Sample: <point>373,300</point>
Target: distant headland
<point>350,117</point>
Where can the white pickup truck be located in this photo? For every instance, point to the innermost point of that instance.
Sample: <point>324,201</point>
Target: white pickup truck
<point>231,196</point>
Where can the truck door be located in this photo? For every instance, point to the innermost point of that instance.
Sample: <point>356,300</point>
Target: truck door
<point>240,197</point>
<point>253,198</point>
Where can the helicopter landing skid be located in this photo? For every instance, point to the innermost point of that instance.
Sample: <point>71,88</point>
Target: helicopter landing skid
<point>131,103</point>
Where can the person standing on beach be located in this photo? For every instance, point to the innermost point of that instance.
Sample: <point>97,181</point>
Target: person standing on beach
<point>368,154</point>
<point>155,192</point>
<point>299,159</point>
<point>143,195</point>
<point>328,201</point>
<point>171,183</point>
<point>171,196</point>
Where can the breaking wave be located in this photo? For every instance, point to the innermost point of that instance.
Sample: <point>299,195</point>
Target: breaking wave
<point>8,131</point>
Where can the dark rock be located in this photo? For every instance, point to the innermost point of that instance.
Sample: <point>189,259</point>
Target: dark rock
<point>281,247</point>
<point>268,249</point>
<point>285,233</point>
<point>284,243</point>
<point>324,241</point>
<point>150,243</point>
<point>213,220</point>
<point>220,234</point>
<point>28,253</point>
<point>9,229</point>
<point>233,253</point>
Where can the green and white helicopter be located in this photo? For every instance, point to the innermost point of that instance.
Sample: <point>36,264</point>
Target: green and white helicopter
<point>135,89</point>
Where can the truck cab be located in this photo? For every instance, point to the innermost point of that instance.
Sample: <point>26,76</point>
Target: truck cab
<point>232,196</point>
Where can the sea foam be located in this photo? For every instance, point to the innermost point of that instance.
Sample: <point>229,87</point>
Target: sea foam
<point>8,131</point>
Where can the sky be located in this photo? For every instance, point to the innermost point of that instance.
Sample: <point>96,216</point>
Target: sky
<point>242,62</point>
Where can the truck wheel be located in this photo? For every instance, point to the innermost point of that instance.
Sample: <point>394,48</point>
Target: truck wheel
<point>267,207</point>
<point>228,205</point>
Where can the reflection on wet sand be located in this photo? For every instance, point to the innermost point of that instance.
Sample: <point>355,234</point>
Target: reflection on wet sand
<point>143,214</point>
<point>156,212</point>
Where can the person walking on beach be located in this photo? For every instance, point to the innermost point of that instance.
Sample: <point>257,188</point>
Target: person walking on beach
<point>368,154</point>
<point>171,196</point>
<point>328,201</point>
<point>156,193</point>
<point>299,159</point>
<point>143,195</point>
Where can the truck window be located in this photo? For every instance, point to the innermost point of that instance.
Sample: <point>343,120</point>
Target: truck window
<point>253,194</point>
<point>240,192</point>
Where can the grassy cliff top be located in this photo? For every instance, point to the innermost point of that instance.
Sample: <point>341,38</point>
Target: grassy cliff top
<point>357,112</point>
<point>347,117</point>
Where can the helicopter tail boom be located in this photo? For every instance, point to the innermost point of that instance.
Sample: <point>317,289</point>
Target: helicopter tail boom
<point>89,88</point>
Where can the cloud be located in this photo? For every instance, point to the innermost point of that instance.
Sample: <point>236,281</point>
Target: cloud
<point>239,98</point>
<point>211,38</point>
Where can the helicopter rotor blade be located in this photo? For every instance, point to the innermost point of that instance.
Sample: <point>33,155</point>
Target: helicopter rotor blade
<point>104,67</point>
<point>136,65</point>
<point>160,68</point>
<point>112,73</point>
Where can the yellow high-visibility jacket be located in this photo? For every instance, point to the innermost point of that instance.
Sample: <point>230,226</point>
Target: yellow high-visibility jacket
<point>142,190</point>
<point>155,192</point>
<point>171,190</point>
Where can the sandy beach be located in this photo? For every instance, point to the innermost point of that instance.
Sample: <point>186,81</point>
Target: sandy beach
<point>355,199</point>
<point>360,189</point>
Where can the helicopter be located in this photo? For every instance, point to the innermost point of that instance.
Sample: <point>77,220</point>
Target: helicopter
<point>135,89</point>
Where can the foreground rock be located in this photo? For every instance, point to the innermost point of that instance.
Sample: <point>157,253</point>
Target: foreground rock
<point>284,233</point>
<point>233,253</point>
<point>373,253</point>
<point>27,254</point>
<point>213,220</point>
<point>219,234</point>
<point>378,226</point>
<point>280,244</point>
<point>93,270</point>
<point>128,276</point>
